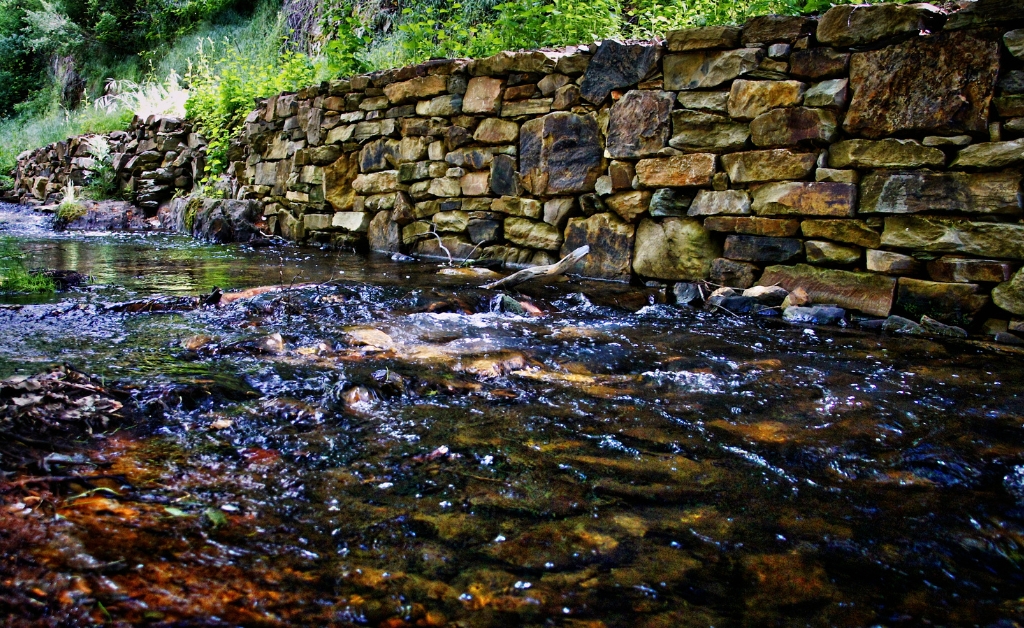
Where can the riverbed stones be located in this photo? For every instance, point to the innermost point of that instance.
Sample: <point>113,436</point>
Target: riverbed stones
<point>616,65</point>
<point>984,239</point>
<point>699,131</point>
<point>866,292</point>
<point>952,303</point>
<point>611,245</point>
<point>941,84</point>
<point>804,198</point>
<point>794,126</point>
<point>991,155</point>
<point>677,249</point>
<point>762,249</point>
<point>753,225</point>
<point>713,203</point>
<point>911,192</point>
<point>704,38</point>
<point>560,153</point>
<point>768,165</point>
<point>638,125</point>
<point>848,231</point>
<point>749,99</point>
<point>705,69</point>
<point>857,25</point>
<point>677,171</point>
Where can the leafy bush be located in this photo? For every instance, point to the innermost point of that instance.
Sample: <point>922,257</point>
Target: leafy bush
<point>102,182</point>
<point>14,277</point>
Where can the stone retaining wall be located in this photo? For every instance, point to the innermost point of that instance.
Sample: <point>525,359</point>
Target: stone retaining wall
<point>153,159</point>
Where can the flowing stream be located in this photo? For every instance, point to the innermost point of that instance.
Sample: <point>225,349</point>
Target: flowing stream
<point>380,445</point>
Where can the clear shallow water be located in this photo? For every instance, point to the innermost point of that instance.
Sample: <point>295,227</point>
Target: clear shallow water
<point>403,456</point>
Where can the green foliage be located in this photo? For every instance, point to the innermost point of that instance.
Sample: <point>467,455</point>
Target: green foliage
<point>14,277</point>
<point>347,39</point>
<point>102,183</point>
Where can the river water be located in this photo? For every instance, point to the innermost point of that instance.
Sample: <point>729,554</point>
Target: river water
<point>404,455</point>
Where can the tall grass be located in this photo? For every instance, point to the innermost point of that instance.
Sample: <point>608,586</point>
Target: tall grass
<point>14,277</point>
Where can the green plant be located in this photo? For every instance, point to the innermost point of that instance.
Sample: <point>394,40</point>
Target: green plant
<point>14,277</point>
<point>191,209</point>
<point>102,183</point>
<point>69,209</point>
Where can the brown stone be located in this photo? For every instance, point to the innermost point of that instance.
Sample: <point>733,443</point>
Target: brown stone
<point>533,107</point>
<point>887,153</point>
<point>1009,296</point>
<point>951,303</point>
<point>986,13</point>
<point>831,93</point>
<point>767,29</point>
<point>338,178</point>
<point>794,126</point>
<point>611,246</point>
<point>749,99</point>
<point>705,38</point>
<point>677,171</point>
<point>566,97</point>
<point>923,191</point>
<point>762,249</point>
<point>825,252</point>
<point>551,83</point>
<point>941,84</point>
<point>415,89</point>
<point>865,292</point>
<point>384,234</point>
<point>705,132</point>
<point>483,95</point>
<point>832,175</point>
<point>621,173</point>
<point>717,102</point>
<point>984,239</point>
<point>857,25</point>
<point>638,125</point>
<point>713,203</point>
<point>677,249</point>
<point>705,69</point>
<point>514,62</point>
<point>752,225</point>
<point>768,165</point>
<point>892,263</point>
<point>808,199</point>
<point>532,234</point>
<point>616,65</point>
<point>849,231</point>
<point>991,155</point>
<point>475,183</point>
<point>818,63</point>
<point>954,269</point>
<point>629,205</point>
<point>496,131</point>
<point>733,274</point>
<point>560,153</point>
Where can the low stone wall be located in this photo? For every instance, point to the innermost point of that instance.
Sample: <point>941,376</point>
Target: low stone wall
<point>153,159</point>
<point>872,156</point>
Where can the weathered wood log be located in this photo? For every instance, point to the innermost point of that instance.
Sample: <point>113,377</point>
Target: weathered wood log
<point>561,267</point>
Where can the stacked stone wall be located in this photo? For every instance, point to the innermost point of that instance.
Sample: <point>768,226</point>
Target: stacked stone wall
<point>155,158</point>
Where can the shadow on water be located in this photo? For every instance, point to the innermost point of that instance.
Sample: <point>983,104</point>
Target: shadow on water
<point>382,449</point>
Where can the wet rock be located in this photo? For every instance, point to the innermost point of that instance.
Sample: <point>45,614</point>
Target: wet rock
<point>751,225</point>
<point>1014,41</point>
<point>455,221</point>
<point>866,292</point>
<point>481,231</point>
<point>923,191</point>
<point>699,131</point>
<point>384,234</point>
<point>768,165</point>
<point>556,546</point>
<point>560,153</point>
<point>1009,295</point>
<point>772,296</point>
<point>706,69</point>
<point>674,249</point>
<point>796,298</point>
<point>611,246</point>
<point>676,171</point>
<point>225,220</point>
<point>846,26</point>
<point>531,234</point>
<point>616,65</point>
<point>814,314</point>
<point>900,325</point>
<point>638,125</point>
<point>705,38</point>
<point>504,179</point>
<point>686,293</point>
<point>793,126</point>
<point>936,328</point>
<point>818,63</point>
<point>762,249</point>
<point>823,252</point>
<point>808,199</point>
<point>951,268</point>
<point>849,231</point>
<point>349,221</point>
<point>667,202</point>
<point>886,153</point>
<point>984,239</point>
<point>832,93</point>
<point>941,84</point>
<point>749,99</point>
<point>727,272</point>
<point>629,205</point>
<point>953,303</point>
<point>729,202</point>
<point>892,263</point>
<point>991,155</point>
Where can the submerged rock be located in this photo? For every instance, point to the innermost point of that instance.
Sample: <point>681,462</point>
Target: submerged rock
<point>814,314</point>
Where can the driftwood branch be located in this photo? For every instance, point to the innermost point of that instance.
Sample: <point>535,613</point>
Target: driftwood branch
<point>551,270</point>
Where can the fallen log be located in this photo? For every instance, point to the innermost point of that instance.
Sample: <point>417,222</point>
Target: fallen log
<point>560,267</point>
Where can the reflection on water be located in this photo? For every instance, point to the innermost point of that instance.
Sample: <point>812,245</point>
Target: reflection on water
<point>402,456</point>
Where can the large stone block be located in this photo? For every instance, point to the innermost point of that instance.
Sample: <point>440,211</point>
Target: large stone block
<point>831,93</point>
<point>514,62</point>
<point>351,221</point>
<point>849,231</point>
<point>706,69</point>
<point>707,132</point>
<point>818,63</point>
<point>991,155</point>
<point>984,239</point>
<point>706,38</point>
<point>865,292</point>
<point>767,29</point>
<point>496,131</point>
<point>955,269</point>
<point>727,202</point>
<point>794,126</point>
<point>768,165</point>
<point>1009,295</point>
<point>376,182</point>
<point>638,125</point>
<point>733,274</point>
<point>857,25</point>
<point>753,225</point>
<point>941,84</point>
<point>717,102</point>
<point>384,235</point>
<point>532,234</point>
<point>416,89</point>
<point>762,249</point>
<point>611,246</point>
<point>676,171</point>
<point>560,153</point>
<point>616,65</point>
<point>749,99</point>
<point>629,205</point>
<point>807,199</point>
<point>678,249</point>
<point>483,95</point>
<point>892,263</point>
<point>923,191</point>
<point>887,153</point>
<point>338,179</point>
<point>823,252</point>
<point>951,303</point>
